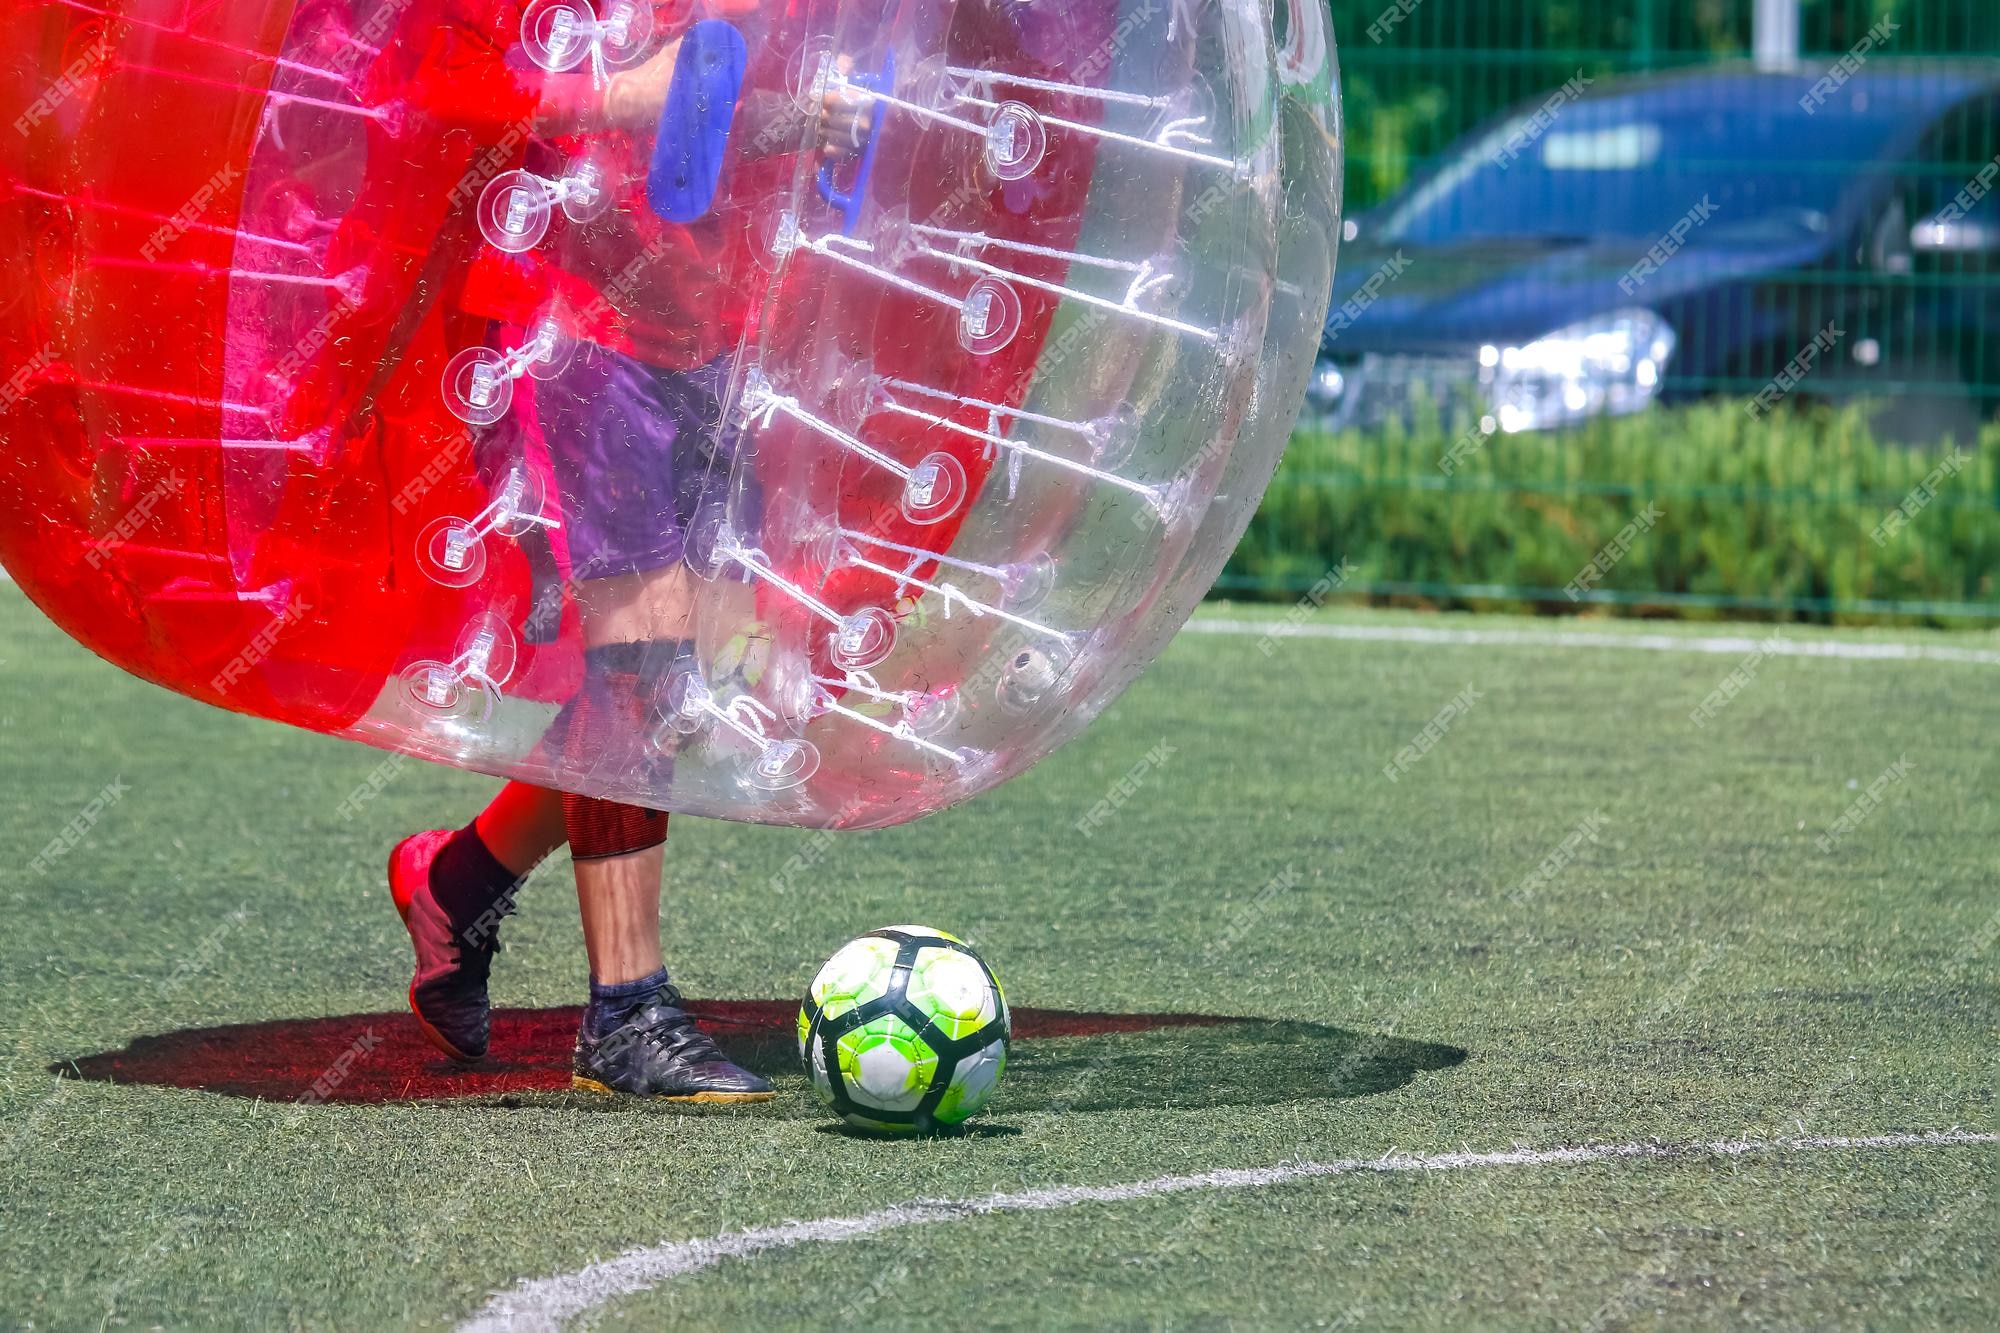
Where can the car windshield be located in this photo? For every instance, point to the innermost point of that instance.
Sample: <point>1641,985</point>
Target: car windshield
<point>1622,168</point>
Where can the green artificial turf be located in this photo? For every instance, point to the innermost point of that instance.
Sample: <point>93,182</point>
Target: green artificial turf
<point>1699,970</point>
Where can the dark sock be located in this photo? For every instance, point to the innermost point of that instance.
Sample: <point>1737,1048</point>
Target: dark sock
<point>472,887</point>
<point>608,1004</point>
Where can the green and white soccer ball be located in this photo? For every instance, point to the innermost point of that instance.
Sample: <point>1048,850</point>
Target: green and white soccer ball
<point>905,1029</point>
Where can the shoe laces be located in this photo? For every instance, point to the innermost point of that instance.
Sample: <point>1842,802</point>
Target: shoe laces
<point>666,1026</point>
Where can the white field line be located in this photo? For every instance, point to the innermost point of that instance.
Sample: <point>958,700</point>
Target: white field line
<point>548,1303</point>
<point>1772,644</point>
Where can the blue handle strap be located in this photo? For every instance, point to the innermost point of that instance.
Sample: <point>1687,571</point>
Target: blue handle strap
<point>700,110</point>
<point>849,202</point>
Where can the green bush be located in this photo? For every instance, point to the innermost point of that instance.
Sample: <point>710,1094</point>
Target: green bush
<point>1731,516</point>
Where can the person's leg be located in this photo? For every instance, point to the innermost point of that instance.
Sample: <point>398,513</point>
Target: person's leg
<point>522,826</point>
<point>620,900</point>
<point>453,889</point>
<point>636,1038</point>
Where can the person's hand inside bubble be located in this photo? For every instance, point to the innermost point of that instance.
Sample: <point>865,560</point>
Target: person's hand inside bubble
<point>633,99</point>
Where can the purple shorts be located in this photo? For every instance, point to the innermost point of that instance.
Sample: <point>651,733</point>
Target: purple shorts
<point>640,456</point>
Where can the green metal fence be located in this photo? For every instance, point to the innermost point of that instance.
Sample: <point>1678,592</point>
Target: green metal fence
<point>1825,262</point>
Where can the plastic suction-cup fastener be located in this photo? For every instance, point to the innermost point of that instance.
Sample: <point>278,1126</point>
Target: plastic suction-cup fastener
<point>1029,677</point>
<point>514,211</point>
<point>582,191</point>
<point>488,652</point>
<point>441,692</point>
<point>864,640</point>
<point>785,765</point>
<point>624,32</point>
<point>1016,142</point>
<point>990,317</point>
<point>557,34</point>
<point>433,687</point>
<point>1025,583</point>
<point>932,715</point>
<point>936,490</point>
<point>479,386</point>
<point>548,349</point>
<point>687,703</point>
<point>452,553</point>
<point>1114,437</point>
<point>520,503</point>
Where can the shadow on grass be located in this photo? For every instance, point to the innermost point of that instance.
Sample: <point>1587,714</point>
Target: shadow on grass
<point>1061,1061</point>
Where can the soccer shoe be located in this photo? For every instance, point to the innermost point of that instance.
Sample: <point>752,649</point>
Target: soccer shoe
<point>656,1051</point>
<point>448,992</point>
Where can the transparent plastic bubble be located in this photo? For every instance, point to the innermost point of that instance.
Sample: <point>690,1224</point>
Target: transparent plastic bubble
<point>920,367</point>
<point>556,33</point>
<point>548,348</point>
<point>864,639</point>
<point>785,766</point>
<point>1016,142</point>
<point>1030,677</point>
<point>584,191</point>
<point>452,552</point>
<point>626,29</point>
<point>937,489</point>
<point>514,211</point>
<point>479,386</point>
<point>990,316</point>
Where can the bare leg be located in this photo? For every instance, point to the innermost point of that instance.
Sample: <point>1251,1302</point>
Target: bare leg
<point>620,899</point>
<point>620,895</point>
<point>522,826</point>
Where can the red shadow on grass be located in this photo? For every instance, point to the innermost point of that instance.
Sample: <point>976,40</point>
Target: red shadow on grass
<point>381,1058</point>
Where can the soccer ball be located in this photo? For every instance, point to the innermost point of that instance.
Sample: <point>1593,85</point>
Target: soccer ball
<point>905,1029</point>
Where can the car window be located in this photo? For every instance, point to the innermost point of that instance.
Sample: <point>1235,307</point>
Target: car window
<point>1955,172</point>
<point>1629,168</point>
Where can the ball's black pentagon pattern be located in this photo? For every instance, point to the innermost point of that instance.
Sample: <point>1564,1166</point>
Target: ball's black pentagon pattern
<point>826,1033</point>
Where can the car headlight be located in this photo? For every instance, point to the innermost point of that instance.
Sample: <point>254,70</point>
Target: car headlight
<point>1607,366</point>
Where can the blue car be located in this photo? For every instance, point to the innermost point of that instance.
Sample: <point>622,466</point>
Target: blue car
<point>1771,236</point>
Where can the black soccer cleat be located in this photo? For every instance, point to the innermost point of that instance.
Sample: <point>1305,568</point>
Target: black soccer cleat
<point>655,1050</point>
<point>448,992</point>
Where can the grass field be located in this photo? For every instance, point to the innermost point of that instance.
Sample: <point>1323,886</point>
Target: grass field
<point>1694,967</point>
